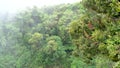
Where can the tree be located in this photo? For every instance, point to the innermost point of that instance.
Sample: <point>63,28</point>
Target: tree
<point>97,32</point>
<point>53,54</point>
<point>36,40</point>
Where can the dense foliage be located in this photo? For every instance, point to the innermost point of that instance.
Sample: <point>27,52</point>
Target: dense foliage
<point>79,35</point>
<point>97,33</point>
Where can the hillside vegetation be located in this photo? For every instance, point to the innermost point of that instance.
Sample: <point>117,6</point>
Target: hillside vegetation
<point>79,35</point>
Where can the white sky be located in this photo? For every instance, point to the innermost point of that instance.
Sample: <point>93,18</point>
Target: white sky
<point>14,5</point>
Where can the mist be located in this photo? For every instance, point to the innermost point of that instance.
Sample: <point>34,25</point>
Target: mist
<point>12,6</point>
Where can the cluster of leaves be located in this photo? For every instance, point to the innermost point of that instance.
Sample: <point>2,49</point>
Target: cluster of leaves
<point>97,33</point>
<point>110,7</point>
